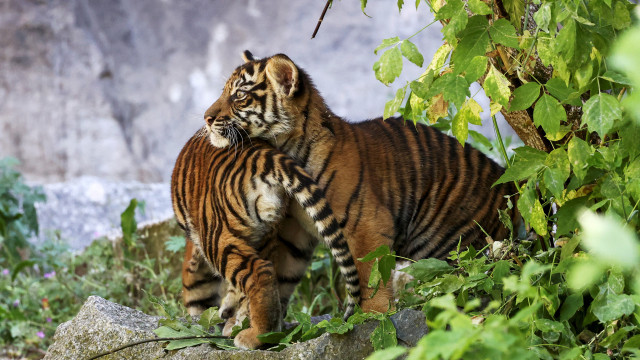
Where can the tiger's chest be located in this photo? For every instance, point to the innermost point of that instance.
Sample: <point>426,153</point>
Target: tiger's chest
<point>265,206</point>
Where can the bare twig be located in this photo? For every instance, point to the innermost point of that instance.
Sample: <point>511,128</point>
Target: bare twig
<point>131,344</point>
<point>324,11</point>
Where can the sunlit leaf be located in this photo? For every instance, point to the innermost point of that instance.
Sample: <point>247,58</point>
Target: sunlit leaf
<point>389,67</point>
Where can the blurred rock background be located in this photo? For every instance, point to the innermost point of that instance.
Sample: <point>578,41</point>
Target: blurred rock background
<point>114,88</point>
<point>97,97</point>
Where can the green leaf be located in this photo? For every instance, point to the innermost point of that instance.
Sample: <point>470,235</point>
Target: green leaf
<point>476,68</point>
<point>531,209</point>
<point>427,269</point>
<point>632,343</point>
<point>616,77</point>
<point>524,96</point>
<point>579,152</point>
<point>411,52</point>
<point>474,42</point>
<point>400,3</point>
<point>375,276</point>
<point>566,40</point>
<point>546,325</point>
<point>612,306</point>
<point>388,353</point>
<point>271,337</point>
<point>385,265</point>
<point>210,318</point>
<point>389,67</point>
<point>128,223</point>
<point>456,90</point>
<point>515,9</point>
<point>387,43</point>
<point>384,336</point>
<point>392,106</point>
<point>460,127</point>
<point>600,112</point>
<point>378,252</point>
<point>567,215</point>
<point>622,19</point>
<point>502,32</point>
<point>609,240</point>
<point>548,113</point>
<point>21,266</point>
<point>528,162</point>
<point>570,306</point>
<point>566,95</point>
<point>479,8</point>
<point>558,171</point>
<point>480,139</point>
<point>496,86</point>
<point>542,17</point>
<point>455,12</point>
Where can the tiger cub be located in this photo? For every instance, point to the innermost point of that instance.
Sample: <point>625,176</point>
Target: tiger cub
<point>412,188</point>
<point>231,205</point>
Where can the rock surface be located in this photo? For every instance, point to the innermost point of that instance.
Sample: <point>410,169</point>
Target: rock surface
<point>114,88</point>
<point>88,207</point>
<point>102,325</point>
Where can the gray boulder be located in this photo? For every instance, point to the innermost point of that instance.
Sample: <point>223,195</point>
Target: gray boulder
<point>102,325</point>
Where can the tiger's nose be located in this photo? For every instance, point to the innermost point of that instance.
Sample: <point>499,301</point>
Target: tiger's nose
<point>209,120</point>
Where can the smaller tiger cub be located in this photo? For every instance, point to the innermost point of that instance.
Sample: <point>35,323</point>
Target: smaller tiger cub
<point>232,204</point>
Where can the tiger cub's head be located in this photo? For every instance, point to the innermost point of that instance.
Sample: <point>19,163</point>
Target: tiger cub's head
<point>260,99</point>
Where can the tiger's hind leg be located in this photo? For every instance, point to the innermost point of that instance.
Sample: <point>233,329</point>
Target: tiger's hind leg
<point>201,287</point>
<point>255,277</point>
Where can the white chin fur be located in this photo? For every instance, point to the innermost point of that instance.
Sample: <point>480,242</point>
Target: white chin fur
<point>218,141</point>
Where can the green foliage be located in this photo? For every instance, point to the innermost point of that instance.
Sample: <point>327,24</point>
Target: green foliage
<point>579,299</point>
<point>44,285</point>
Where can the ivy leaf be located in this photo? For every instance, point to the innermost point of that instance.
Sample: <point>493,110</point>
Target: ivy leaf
<point>476,68</point>
<point>392,106</point>
<point>389,67</point>
<point>548,113</point>
<point>411,52</point>
<point>515,9</point>
<point>496,86</point>
<point>611,306</point>
<point>600,112</point>
<point>524,96</point>
<point>475,42</point>
<point>384,336</point>
<point>502,32</point>
<point>387,43</point>
<point>479,8</point>
<point>567,215</point>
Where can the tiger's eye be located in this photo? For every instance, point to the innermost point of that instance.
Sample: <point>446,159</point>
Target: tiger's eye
<point>240,94</point>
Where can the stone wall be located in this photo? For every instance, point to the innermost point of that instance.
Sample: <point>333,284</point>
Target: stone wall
<point>113,88</point>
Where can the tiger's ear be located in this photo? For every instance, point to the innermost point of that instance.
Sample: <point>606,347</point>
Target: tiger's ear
<point>283,75</point>
<point>247,56</point>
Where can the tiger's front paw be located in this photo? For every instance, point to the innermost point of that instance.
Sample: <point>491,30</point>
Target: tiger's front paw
<point>247,339</point>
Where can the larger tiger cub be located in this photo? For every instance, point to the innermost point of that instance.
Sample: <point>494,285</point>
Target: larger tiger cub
<point>412,188</point>
<point>231,204</point>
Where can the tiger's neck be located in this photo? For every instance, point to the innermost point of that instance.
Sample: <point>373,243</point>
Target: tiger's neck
<point>310,130</point>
